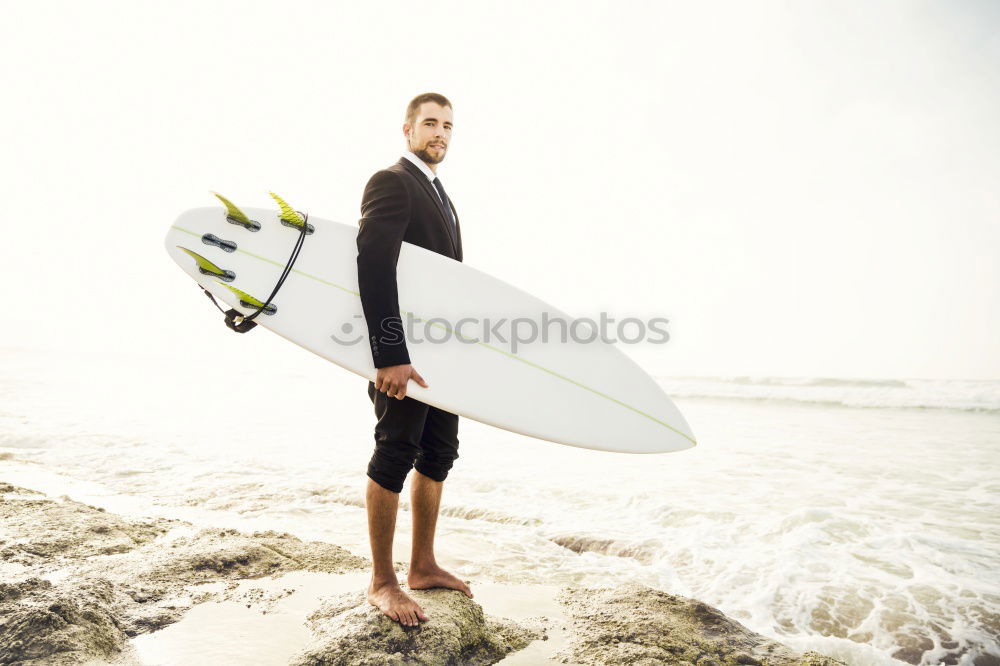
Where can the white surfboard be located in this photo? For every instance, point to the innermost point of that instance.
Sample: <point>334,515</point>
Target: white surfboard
<point>585,394</point>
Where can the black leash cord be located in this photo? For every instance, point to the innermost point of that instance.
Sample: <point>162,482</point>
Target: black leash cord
<point>247,323</point>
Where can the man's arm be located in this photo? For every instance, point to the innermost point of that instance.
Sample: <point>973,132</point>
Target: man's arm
<point>385,214</point>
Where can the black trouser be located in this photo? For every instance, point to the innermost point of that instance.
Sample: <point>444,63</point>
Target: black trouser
<point>410,434</point>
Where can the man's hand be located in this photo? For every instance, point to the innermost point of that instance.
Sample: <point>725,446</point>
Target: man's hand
<point>392,380</point>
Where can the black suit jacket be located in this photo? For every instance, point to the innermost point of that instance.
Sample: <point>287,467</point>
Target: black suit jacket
<point>399,204</point>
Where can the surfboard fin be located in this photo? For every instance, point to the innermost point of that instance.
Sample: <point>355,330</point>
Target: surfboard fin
<point>290,217</point>
<point>248,301</point>
<point>206,267</point>
<point>236,216</point>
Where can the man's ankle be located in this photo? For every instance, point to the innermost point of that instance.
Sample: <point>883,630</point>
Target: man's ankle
<point>423,565</point>
<point>384,581</point>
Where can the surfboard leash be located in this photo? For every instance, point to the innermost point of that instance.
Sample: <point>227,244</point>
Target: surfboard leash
<point>235,319</point>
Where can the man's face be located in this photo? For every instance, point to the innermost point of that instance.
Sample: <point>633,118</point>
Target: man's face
<point>430,134</point>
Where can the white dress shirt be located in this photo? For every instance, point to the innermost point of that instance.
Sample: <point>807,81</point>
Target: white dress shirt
<point>424,168</point>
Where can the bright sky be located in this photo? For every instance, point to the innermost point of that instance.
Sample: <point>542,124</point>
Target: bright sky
<point>802,188</point>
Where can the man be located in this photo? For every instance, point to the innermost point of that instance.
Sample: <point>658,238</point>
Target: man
<point>406,202</point>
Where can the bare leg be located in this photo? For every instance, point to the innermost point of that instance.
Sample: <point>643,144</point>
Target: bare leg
<point>384,591</point>
<point>425,500</point>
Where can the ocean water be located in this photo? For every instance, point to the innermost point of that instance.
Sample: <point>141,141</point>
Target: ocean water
<point>857,518</point>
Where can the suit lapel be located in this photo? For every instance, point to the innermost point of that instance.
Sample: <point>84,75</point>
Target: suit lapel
<point>432,193</point>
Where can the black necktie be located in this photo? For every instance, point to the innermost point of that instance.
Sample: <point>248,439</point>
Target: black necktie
<point>447,205</point>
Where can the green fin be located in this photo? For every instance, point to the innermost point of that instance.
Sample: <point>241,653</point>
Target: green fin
<point>206,267</point>
<point>287,214</point>
<point>236,216</point>
<point>249,301</point>
<point>291,218</point>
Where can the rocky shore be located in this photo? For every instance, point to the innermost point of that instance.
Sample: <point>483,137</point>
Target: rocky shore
<point>79,585</point>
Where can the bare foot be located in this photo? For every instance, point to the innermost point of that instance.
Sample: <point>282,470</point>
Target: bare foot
<point>435,576</point>
<point>395,603</point>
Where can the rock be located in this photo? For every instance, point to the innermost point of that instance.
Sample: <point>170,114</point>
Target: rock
<point>89,580</point>
<point>59,624</point>
<point>45,533</point>
<point>216,554</point>
<point>349,630</point>
<point>120,577</point>
<point>635,624</point>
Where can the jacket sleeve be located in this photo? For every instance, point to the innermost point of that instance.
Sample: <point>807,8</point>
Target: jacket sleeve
<point>385,214</point>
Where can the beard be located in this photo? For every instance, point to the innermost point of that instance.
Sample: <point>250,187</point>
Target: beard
<point>427,156</point>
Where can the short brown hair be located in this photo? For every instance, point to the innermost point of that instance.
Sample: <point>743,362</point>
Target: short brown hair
<point>414,105</point>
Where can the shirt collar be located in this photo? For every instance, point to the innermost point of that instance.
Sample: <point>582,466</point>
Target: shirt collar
<point>420,165</point>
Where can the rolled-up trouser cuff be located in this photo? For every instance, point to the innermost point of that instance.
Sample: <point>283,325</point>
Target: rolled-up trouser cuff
<point>436,471</point>
<point>385,483</point>
<point>388,473</point>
